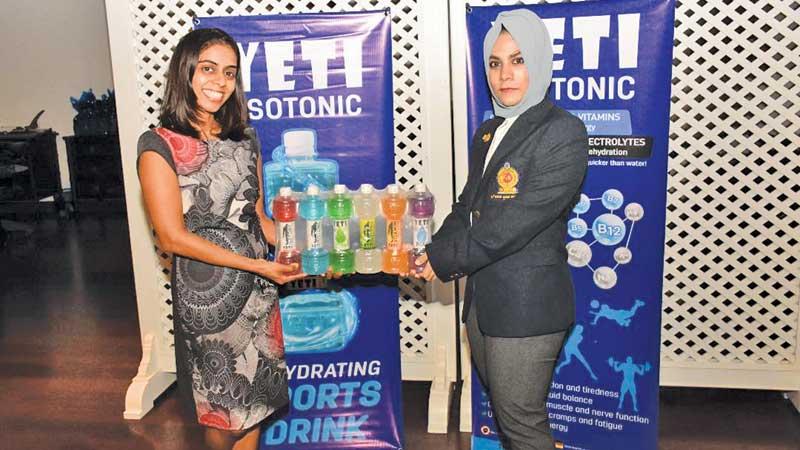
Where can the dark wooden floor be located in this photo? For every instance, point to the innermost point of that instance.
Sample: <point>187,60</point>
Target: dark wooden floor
<point>69,345</point>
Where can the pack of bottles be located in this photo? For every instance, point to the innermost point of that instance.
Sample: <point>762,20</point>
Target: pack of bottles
<point>366,231</point>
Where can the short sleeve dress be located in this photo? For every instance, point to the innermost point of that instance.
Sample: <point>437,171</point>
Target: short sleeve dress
<point>228,338</point>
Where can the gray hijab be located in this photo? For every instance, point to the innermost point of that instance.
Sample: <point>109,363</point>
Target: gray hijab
<point>534,43</point>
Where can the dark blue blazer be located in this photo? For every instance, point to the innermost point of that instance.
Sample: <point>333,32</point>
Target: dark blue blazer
<point>506,231</point>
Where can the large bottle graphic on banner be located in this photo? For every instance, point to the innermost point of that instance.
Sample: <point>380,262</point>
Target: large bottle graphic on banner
<point>612,68</point>
<point>319,95</point>
<point>295,164</point>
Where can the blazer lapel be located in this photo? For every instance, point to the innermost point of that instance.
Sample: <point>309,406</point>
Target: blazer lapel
<point>478,157</point>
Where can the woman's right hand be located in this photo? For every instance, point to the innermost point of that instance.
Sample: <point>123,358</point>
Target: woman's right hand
<point>277,272</point>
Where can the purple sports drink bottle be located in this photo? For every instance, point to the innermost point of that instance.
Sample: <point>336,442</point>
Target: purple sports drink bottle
<point>421,207</point>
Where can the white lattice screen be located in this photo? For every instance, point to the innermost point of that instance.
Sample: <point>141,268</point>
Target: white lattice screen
<point>731,288</point>
<point>159,26</point>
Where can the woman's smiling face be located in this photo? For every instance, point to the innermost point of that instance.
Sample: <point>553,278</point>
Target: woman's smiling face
<point>214,78</point>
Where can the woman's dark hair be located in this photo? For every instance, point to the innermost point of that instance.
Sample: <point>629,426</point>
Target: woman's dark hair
<point>179,105</point>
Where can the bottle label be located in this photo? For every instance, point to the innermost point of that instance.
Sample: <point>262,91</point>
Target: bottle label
<point>341,234</point>
<point>394,234</point>
<point>366,236</point>
<point>422,233</point>
<point>286,237</point>
<point>314,234</point>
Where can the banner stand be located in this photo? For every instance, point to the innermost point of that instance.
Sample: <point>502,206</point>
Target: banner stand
<point>140,36</point>
<point>611,69</point>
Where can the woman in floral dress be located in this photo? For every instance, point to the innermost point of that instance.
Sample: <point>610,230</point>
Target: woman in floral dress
<point>203,193</point>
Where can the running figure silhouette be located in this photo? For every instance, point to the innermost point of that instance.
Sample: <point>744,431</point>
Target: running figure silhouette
<point>571,349</point>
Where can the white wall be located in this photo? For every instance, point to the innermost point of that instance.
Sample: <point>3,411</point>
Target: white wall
<point>51,50</point>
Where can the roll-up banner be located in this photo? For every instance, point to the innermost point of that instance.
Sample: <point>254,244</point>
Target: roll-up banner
<point>612,68</point>
<point>328,76</point>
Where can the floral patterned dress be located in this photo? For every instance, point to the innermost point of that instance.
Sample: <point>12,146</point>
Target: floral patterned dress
<point>228,338</point>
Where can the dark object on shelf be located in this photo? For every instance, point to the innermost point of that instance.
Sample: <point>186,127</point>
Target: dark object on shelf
<point>32,127</point>
<point>95,117</point>
<point>95,171</point>
<point>28,169</point>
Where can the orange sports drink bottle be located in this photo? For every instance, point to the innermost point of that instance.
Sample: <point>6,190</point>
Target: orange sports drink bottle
<point>393,204</point>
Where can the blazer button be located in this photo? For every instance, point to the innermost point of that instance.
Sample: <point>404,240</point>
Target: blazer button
<point>476,215</point>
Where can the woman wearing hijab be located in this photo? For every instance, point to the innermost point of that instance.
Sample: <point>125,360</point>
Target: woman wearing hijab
<point>506,231</point>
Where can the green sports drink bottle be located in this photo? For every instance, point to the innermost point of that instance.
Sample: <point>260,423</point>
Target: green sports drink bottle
<point>340,210</point>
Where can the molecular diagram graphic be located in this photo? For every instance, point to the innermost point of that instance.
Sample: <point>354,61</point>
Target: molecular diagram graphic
<point>608,229</point>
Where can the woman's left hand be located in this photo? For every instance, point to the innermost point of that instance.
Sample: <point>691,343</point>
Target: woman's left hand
<point>427,273</point>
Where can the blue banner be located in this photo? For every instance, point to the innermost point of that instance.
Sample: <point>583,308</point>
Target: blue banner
<point>319,89</point>
<point>612,69</point>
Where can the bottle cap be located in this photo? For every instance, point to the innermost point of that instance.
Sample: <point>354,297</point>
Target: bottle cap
<point>393,189</point>
<point>366,188</point>
<point>300,142</point>
<point>420,188</point>
<point>312,189</point>
<point>339,189</point>
<point>285,191</point>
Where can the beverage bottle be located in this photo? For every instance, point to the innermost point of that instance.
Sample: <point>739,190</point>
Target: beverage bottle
<point>367,206</point>
<point>284,208</point>
<point>420,205</point>
<point>393,204</point>
<point>312,209</point>
<point>319,321</point>
<point>340,210</point>
<point>295,164</point>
